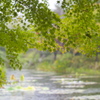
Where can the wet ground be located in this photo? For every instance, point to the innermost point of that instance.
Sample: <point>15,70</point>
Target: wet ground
<point>50,86</point>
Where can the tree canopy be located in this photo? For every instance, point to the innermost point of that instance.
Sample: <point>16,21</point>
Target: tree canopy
<point>41,28</point>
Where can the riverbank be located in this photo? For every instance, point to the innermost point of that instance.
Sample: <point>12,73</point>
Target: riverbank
<point>69,64</point>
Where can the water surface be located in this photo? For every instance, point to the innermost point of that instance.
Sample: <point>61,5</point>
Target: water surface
<point>50,86</point>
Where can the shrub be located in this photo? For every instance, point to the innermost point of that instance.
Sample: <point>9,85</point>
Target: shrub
<point>2,76</point>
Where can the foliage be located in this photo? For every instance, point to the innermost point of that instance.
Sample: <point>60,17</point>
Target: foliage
<point>22,77</point>
<point>70,64</point>
<point>2,76</point>
<point>76,28</point>
<point>12,77</point>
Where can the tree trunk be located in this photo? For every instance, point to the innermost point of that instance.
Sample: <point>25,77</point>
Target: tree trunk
<point>55,55</point>
<point>97,58</point>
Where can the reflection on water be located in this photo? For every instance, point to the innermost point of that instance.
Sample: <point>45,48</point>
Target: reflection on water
<point>50,86</point>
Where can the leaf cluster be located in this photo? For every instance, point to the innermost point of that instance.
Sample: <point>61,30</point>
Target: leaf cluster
<point>41,28</point>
